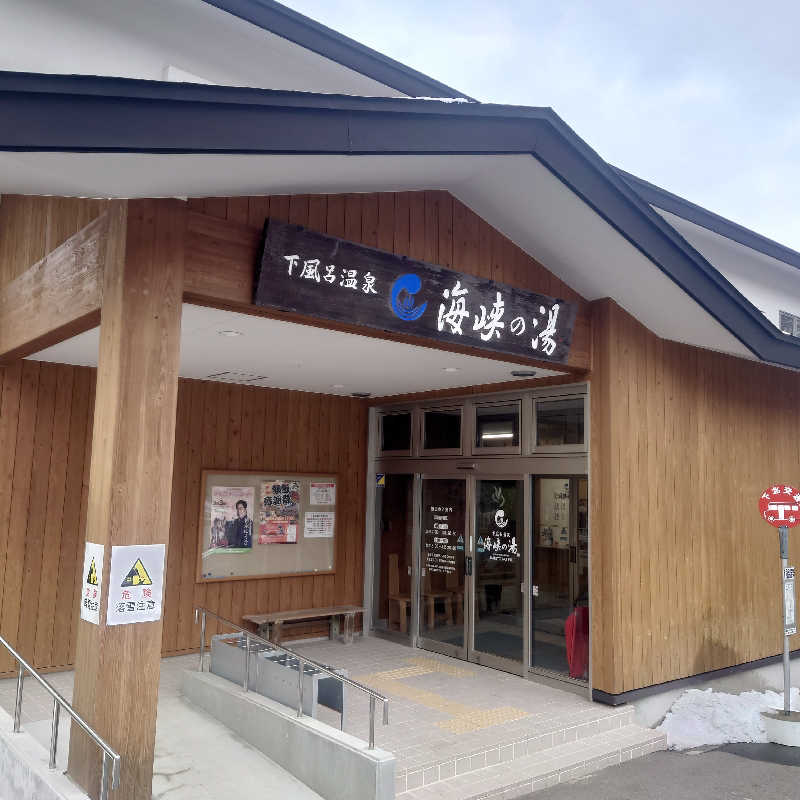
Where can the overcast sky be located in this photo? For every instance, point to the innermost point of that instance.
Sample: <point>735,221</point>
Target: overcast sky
<point>701,97</point>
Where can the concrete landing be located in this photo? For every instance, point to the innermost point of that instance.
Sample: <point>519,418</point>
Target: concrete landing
<point>462,731</point>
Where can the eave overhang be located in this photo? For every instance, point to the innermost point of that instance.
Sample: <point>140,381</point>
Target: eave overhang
<point>101,115</point>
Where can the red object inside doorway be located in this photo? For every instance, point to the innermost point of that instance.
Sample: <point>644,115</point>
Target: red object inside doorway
<point>576,630</point>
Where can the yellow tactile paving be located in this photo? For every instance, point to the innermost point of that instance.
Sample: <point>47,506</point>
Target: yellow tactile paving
<point>477,719</point>
<point>421,696</point>
<point>434,665</point>
<point>465,719</point>
<point>400,673</point>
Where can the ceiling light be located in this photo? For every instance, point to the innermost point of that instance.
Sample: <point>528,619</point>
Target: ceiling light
<point>451,369</point>
<point>497,436</point>
<point>229,332</point>
<point>337,386</point>
<point>523,373</point>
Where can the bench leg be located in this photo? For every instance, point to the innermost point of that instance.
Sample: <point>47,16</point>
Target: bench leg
<point>276,632</point>
<point>349,627</point>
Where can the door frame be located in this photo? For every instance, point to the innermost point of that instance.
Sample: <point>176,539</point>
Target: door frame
<point>420,640</point>
<point>505,467</point>
<point>572,571</point>
<point>468,651</point>
<point>482,657</point>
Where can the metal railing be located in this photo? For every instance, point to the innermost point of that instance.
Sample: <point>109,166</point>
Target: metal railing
<point>109,755</point>
<point>374,696</point>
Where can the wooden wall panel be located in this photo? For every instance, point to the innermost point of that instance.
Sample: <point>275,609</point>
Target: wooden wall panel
<point>46,413</point>
<point>684,571</point>
<point>31,227</point>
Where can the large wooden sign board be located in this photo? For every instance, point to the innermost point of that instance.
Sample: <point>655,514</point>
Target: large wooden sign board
<point>322,276</point>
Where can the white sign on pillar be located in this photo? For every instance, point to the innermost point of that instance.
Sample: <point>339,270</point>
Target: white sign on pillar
<point>135,584</point>
<point>92,582</point>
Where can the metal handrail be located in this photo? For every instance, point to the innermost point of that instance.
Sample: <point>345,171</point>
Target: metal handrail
<point>58,701</point>
<point>302,661</point>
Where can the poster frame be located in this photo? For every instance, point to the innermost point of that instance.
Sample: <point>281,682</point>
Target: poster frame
<point>263,475</point>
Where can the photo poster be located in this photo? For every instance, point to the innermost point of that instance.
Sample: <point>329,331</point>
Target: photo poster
<point>231,519</point>
<point>279,512</point>
<point>257,524</point>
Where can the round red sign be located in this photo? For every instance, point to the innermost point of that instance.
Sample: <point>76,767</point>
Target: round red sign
<point>780,506</point>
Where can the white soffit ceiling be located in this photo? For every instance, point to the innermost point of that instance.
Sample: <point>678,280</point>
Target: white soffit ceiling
<point>286,355</point>
<point>527,203</point>
<point>514,193</point>
<point>165,40</point>
<point>769,284</point>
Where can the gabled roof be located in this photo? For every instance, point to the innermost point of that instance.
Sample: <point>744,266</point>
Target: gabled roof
<point>307,33</point>
<point>667,201</point>
<point>102,115</point>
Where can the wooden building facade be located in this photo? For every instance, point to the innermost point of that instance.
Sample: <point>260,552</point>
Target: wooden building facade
<point>679,359</point>
<point>680,565</point>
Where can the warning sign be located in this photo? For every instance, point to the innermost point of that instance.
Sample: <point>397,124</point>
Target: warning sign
<point>137,576</point>
<point>136,584</point>
<point>92,582</point>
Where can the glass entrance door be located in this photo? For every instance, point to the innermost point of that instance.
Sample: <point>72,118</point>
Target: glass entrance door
<point>394,522</point>
<point>443,566</point>
<point>498,629</point>
<point>471,600</point>
<point>560,584</point>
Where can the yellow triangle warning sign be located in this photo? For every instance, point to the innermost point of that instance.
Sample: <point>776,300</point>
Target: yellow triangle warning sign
<point>137,576</point>
<point>91,576</point>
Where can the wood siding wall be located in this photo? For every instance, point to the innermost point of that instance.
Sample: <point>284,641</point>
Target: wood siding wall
<point>684,571</point>
<point>32,227</point>
<point>432,226</point>
<point>45,441</point>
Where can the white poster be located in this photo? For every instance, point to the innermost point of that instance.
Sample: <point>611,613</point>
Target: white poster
<point>92,582</point>
<point>136,583</point>
<point>323,494</point>
<point>319,525</point>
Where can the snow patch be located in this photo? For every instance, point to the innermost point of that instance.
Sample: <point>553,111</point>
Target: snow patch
<point>705,717</point>
<point>443,99</point>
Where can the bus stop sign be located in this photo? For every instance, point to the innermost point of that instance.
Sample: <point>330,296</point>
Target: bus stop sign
<point>780,506</point>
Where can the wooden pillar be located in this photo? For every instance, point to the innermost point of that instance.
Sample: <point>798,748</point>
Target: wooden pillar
<point>117,666</point>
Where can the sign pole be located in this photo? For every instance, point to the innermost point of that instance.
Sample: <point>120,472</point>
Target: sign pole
<point>779,505</point>
<point>788,615</point>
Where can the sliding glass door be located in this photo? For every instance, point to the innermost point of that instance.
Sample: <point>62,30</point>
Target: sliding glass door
<point>498,629</point>
<point>560,585</point>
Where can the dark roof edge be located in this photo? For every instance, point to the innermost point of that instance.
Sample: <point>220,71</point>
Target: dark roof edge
<point>667,201</point>
<point>160,117</point>
<point>297,28</point>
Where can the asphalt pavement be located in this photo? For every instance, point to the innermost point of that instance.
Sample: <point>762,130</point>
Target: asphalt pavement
<point>733,772</point>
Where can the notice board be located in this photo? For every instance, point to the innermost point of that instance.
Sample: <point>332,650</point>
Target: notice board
<point>264,524</point>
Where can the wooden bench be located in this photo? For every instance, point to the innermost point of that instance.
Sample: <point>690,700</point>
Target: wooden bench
<point>276,620</point>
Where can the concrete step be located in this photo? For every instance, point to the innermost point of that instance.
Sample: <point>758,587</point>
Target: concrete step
<point>550,731</point>
<point>518,777</point>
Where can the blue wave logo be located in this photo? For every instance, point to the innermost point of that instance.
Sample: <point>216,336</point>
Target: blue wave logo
<point>402,297</point>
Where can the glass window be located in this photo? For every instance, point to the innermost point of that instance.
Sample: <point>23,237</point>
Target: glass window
<point>396,432</point>
<point>442,430</point>
<point>497,426</point>
<point>559,422</point>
